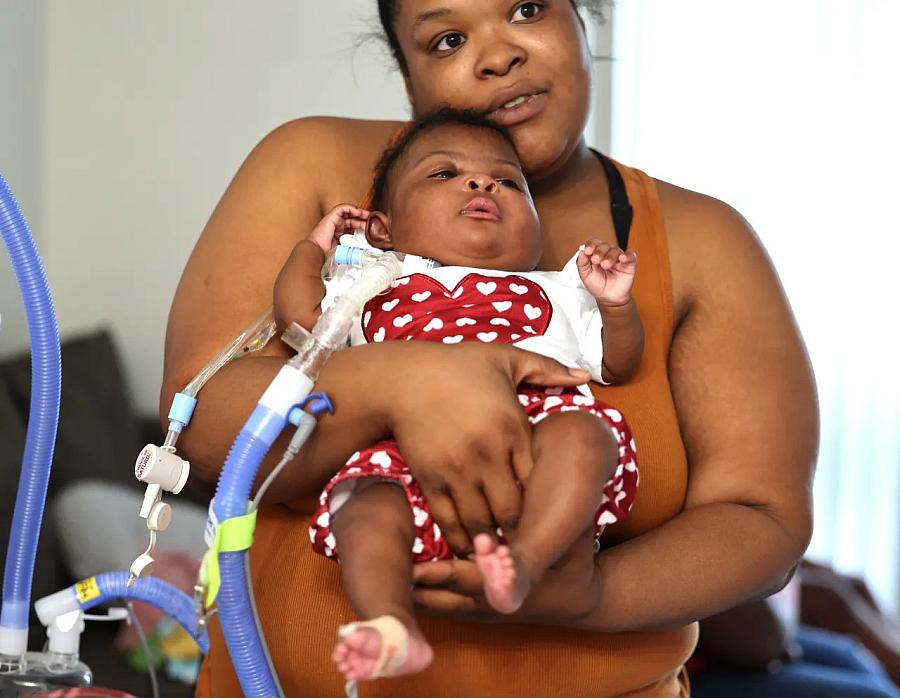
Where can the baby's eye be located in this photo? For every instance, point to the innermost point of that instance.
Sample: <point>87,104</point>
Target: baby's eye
<point>527,11</point>
<point>448,42</point>
<point>511,183</point>
<point>442,174</point>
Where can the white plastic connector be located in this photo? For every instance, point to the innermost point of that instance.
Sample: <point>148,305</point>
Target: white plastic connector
<point>288,388</point>
<point>151,497</point>
<point>115,614</point>
<point>160,517</point>
<point>52,606</point>
<point>13,641</point>
<point>158,466</point>
<point>143,564</point>
<point>64,633</point>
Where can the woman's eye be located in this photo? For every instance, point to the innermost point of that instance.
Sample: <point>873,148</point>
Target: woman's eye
<point>526,11</point>
<point>511,183</point>
<point>443,174</point>
<point>448,42</point>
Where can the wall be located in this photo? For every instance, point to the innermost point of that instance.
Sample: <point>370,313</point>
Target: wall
<point>150,108</point>
<point>145,112</point>
<point>19,146</point>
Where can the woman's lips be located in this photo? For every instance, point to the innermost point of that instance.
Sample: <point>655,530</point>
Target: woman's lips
<point>526,109</point>
<point>482,209</point>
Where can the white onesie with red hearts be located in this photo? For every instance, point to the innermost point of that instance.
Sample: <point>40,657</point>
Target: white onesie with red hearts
<point>549,313</point>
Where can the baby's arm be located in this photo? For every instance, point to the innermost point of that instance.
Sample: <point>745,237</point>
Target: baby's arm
<point>299,289</point>
<point>607,272</point>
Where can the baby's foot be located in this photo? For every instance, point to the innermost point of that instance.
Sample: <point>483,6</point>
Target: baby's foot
<point>359,655</point>
<point>505,583</point>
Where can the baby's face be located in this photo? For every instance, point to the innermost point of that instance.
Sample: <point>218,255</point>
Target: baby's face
<point>458,195</point>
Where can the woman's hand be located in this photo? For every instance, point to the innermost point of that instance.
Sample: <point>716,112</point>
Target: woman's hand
<point>565,595</point>
<point>463,433</point>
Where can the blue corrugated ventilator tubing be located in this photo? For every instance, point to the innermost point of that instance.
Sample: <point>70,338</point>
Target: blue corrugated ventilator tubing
<point>165,597</point>
<point>43,414</point>
<point>245,645</point>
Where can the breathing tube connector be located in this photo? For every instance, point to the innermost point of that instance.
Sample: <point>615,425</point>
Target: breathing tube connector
<point>110,586</point>
<point>43,413</point>
<point>290,387</point>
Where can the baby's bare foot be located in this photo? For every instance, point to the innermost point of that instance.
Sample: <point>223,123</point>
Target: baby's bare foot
<point>505,582</point>
<point>357,654</point>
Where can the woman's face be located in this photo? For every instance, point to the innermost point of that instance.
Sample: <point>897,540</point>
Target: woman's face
<point>524,63</point>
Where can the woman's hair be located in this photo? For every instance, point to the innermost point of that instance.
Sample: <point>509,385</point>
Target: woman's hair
<point>387,12</point>
<point>445,116</point>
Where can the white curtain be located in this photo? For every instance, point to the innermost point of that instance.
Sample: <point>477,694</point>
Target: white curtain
<point>790,112</point>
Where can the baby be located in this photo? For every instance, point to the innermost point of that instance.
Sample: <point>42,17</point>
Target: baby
<point>452,189</point>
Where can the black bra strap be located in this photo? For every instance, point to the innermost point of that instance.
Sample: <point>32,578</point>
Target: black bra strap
<point>619,206</point>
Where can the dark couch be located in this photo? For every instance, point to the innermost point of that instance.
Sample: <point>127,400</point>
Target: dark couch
<point>99,437</point>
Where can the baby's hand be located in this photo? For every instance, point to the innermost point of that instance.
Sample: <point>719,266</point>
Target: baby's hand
<point>606,271</point>
<point>343,218</point>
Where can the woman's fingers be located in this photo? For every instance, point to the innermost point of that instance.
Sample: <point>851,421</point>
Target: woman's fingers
<point>461,576</point>
<point>442,601</point>
<point>444,512</point>
<point>522,461</point>
<point>504,497</point>
<point>449,586</point>
<point>527,367</point>
<point>474,512</point>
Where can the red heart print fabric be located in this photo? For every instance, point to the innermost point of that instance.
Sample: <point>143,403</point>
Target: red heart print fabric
<point>479,308</point>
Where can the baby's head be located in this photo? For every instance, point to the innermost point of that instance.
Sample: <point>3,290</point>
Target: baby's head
<point>452,189</point>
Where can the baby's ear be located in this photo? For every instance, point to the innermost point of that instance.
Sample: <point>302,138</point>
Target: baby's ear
<point>378,231</point>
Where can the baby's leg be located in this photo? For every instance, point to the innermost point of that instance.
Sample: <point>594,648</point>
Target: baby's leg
<point>575,455</point>
<point>374,532</point>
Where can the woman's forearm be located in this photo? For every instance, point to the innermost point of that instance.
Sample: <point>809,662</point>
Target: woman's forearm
<point>228,399</point>
<point>705,560</point>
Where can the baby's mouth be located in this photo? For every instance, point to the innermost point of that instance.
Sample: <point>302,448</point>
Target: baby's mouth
<point>482,208</point>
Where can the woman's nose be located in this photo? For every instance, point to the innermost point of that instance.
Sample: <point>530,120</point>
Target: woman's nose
<point>481,182</point>
<point>498,58</point>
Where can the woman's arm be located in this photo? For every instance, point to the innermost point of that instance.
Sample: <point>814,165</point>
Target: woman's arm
<point>746,404</point>
<point>745,398</point>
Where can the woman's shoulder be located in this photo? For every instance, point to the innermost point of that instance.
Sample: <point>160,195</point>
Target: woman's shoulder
<point>331,140</point>
<point>340,151</point>
<point>691,216</point>
<point>709,241</point>
<point>336,132</point>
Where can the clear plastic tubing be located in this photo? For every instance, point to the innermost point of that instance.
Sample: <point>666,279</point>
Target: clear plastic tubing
<point>42,421</point>
<point>362,257</point>
<point>253,338</point>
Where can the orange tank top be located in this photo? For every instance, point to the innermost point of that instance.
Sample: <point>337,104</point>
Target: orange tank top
<point>299,593</point>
